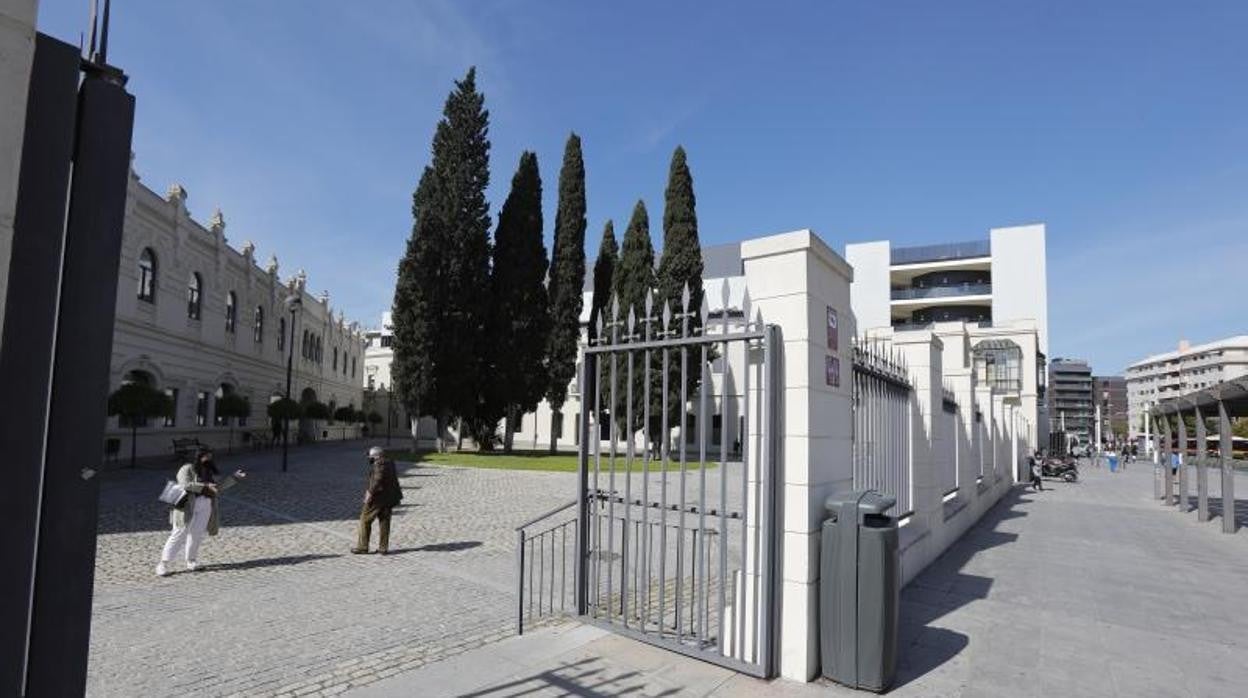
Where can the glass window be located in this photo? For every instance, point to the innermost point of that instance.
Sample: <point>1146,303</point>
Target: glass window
<point>231,311</point>
<point>258,335</point>
<point>281,334</point>
<point>222,391</point>
<point>194,296</point>
<point>201,409</point>
<point>335,358</point>
<point>353,367</point>
<point>172,419</point>
<point>147,275</point>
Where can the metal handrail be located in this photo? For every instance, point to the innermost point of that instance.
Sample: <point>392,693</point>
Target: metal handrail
<point>547,515</point>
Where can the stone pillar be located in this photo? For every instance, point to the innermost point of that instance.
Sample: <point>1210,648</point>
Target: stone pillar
<point>1202,465</point>
<point>987,441</point>
<point>799,283</point>
<point>930,446</point>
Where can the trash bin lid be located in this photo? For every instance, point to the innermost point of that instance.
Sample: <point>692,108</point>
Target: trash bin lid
<point>865,501</point>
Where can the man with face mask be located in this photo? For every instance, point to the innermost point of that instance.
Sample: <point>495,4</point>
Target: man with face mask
<point>381,495</point>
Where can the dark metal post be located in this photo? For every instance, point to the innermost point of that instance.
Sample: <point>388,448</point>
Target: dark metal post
<point>1228,469</point>
<point>29,329</point>
<point>1167,496</point>
<point>294,302</point>
<point>1184,500</point>
<point>582,491</point>
<point>1202,466</point>
<point>65,549</point>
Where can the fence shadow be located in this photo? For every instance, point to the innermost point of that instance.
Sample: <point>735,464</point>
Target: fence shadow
<point>440,547</point>
<point>586,677</point>
<point>265,562</point>
<point>944,587</point>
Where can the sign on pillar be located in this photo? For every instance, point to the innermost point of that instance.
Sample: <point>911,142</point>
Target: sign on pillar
<point>798,282</point>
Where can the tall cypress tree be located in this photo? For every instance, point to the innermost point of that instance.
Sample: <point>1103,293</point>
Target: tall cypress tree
<point>461,163</point>
<point>567,278</point>
<point>442,295</point>
<point>520,322</point>
<point>632,281</point>
<point>681,266</point>
<point>604,268</point>
<point>416,312</point>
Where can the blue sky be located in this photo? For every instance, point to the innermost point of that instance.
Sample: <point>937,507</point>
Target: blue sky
<point>1119,124</point>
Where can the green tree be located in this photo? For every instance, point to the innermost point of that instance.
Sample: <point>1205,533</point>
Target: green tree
<point>632,282</point>
<point>442,297</point>
<point>316,410</point>
<point>417,310</point>
<point>232,407</point>
<point>135,403</point>
<point>681,267</point>
<point>520,322</point>
<point>604,268</point>
<point>280,412</point>
<point>567,279</point>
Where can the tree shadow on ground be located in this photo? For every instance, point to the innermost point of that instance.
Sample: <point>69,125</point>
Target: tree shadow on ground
<point>324,483</point>
<point>581,678</point>
<point>943,588</point>
<point>1241,510</point>
<point>440,547</point>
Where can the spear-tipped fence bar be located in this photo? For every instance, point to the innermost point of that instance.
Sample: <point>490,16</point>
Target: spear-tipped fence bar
<point>881,403</point>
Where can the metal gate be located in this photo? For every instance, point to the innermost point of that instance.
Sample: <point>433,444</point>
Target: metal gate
<point>675,518</point>
<point>882,425</point>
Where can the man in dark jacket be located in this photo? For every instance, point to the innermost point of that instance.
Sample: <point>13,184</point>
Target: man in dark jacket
<point>382,494</point>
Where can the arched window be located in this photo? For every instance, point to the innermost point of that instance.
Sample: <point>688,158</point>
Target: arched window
<point>353,367</point>
<point>258,335</point>
<point>336,359</point>
<point>304,350</point>
<point>281,334</point>
<point>222,390</point>
<point>147,275</point>
<point>194,295</point>
<point>231,311</point>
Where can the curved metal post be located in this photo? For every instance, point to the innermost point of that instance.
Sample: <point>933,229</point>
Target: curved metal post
<point>1167,470</point>
<point>1184,500</point>
<point>1228,470</point>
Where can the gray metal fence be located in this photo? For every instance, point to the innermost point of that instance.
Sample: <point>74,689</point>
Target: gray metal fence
<point>677,538</point>
<point>882,424</point>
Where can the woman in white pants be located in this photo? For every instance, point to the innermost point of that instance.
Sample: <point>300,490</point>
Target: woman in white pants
<point>198,516</point>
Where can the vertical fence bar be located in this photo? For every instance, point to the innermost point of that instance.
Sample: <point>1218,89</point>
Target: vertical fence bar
<point>744,436</point>
<point>723,476</point>
<point>1228,469</point>
<point>645,465</point>
<point>684,438</point>
<point>597,548</point>
<point>579,569</point>
<point>615,426</point>
<point>1202,466</point>
<point>666,436</point>
<point>629,449</point>
<point>520,582</point>
<point>702,410</point>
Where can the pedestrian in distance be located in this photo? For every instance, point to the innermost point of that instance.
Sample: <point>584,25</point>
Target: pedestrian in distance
<point>1036,484</point>
<point>198,514</point>
<point>381,495</point>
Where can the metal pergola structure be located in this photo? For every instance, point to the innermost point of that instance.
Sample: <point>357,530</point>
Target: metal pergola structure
<point>1222,402</point>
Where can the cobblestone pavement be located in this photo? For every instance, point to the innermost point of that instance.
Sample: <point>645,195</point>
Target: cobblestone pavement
<point>281,608</point>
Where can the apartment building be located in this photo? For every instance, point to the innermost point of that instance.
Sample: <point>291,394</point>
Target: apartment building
<point>1187,369</point>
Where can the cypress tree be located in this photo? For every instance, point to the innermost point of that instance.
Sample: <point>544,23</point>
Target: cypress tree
<point>461,164</point>
<point>681,265</point>
<point>604,267</point>
<point>520,321</point>
<point>632,281</point>
<point>567,278</point>
<point>416,312</point>
<point>442,295</point>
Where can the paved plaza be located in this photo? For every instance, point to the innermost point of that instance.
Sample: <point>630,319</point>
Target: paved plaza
<point>281,607</point>
<point>1086,589</point>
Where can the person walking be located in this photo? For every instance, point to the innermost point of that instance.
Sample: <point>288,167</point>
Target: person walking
<point>198,515</point>
<point>381,495</point>
<point>1036,483</point>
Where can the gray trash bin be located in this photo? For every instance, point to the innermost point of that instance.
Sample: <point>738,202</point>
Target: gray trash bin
<point>858,590</point>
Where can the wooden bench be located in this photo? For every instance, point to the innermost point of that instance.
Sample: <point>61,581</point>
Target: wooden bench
<point>185,449</point>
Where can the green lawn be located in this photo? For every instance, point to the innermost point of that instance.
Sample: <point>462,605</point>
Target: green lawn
<point>519,460</point>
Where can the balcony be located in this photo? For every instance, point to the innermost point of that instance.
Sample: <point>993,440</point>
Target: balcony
<point>901,294</point>
<point>941,253</point>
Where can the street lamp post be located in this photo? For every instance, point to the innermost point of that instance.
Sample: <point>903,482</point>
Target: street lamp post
<point>293,303</point>
<point>389,413</point>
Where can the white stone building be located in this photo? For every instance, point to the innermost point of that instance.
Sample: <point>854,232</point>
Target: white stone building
<point>1187,369</point>
<point>997,286</point>
<point>197,318</point>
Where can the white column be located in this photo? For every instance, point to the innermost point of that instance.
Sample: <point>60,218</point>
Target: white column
<point>794,280</point>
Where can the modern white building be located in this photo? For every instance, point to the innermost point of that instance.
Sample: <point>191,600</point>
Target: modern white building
<point>1187,369</point>
<point>198,318</point>
<point>997,286</point>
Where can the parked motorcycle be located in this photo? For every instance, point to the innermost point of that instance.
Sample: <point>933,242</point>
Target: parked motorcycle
<point>1064,468</point>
